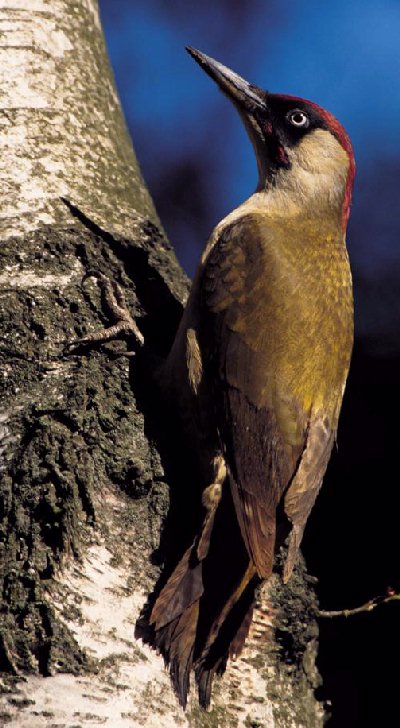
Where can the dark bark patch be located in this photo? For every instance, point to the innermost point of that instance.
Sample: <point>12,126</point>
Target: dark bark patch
<point>72,423</point>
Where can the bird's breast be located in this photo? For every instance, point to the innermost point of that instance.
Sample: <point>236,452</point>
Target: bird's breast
<point>294,309</point>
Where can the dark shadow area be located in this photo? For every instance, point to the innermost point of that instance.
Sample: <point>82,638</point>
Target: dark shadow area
<point>162,427</point>
<point>163,309</point>
<point>352,545</point>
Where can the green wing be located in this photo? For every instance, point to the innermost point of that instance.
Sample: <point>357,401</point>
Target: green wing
<point>263,426</point>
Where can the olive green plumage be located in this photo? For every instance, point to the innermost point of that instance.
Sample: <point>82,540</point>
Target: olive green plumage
<point>258,370</point>
<point>277,323</point>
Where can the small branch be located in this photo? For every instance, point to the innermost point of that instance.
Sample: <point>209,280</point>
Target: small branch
<point>367,607</point>
<point>115,302</point>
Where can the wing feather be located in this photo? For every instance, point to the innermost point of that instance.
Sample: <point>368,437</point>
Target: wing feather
<point>238,339</point>
<point>276,343</point>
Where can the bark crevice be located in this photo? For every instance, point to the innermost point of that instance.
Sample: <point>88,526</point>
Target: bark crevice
<point>71,418</point>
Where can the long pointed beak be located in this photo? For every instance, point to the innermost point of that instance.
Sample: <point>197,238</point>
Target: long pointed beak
<point>245,95</point>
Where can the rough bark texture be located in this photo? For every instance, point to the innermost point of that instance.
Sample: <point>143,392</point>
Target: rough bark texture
<point>88,460</point>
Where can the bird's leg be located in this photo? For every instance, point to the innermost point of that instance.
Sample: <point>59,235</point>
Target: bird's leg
<point>124,322</point>
<point>211,498</point>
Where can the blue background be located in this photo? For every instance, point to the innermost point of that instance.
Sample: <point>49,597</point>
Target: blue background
<point>192,148</point>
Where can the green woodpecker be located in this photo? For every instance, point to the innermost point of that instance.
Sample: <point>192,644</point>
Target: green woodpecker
<point>258,369</point>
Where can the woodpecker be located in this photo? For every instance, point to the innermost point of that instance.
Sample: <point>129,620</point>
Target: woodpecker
<point>258,369</point>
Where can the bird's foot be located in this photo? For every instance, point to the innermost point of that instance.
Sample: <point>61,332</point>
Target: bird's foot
<point>211,497</point>
<point>114,300</point>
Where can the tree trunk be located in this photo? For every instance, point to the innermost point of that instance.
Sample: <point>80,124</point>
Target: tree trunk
<point>87,458</point>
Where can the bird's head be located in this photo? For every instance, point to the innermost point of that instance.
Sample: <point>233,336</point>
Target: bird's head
<point>302,150</point>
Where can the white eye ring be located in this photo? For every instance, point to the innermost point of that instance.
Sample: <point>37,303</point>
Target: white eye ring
<point>298,118</point>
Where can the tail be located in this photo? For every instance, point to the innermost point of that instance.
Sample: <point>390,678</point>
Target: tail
<point>203,614</point>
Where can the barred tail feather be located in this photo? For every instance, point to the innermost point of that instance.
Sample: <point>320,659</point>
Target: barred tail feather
<point>203,614</point>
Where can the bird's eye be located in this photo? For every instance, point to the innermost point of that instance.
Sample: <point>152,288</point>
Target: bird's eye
<point>298,118</point>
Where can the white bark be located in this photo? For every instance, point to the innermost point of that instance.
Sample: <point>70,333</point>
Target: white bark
<point>131,687</point>
<point>62,131</point>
